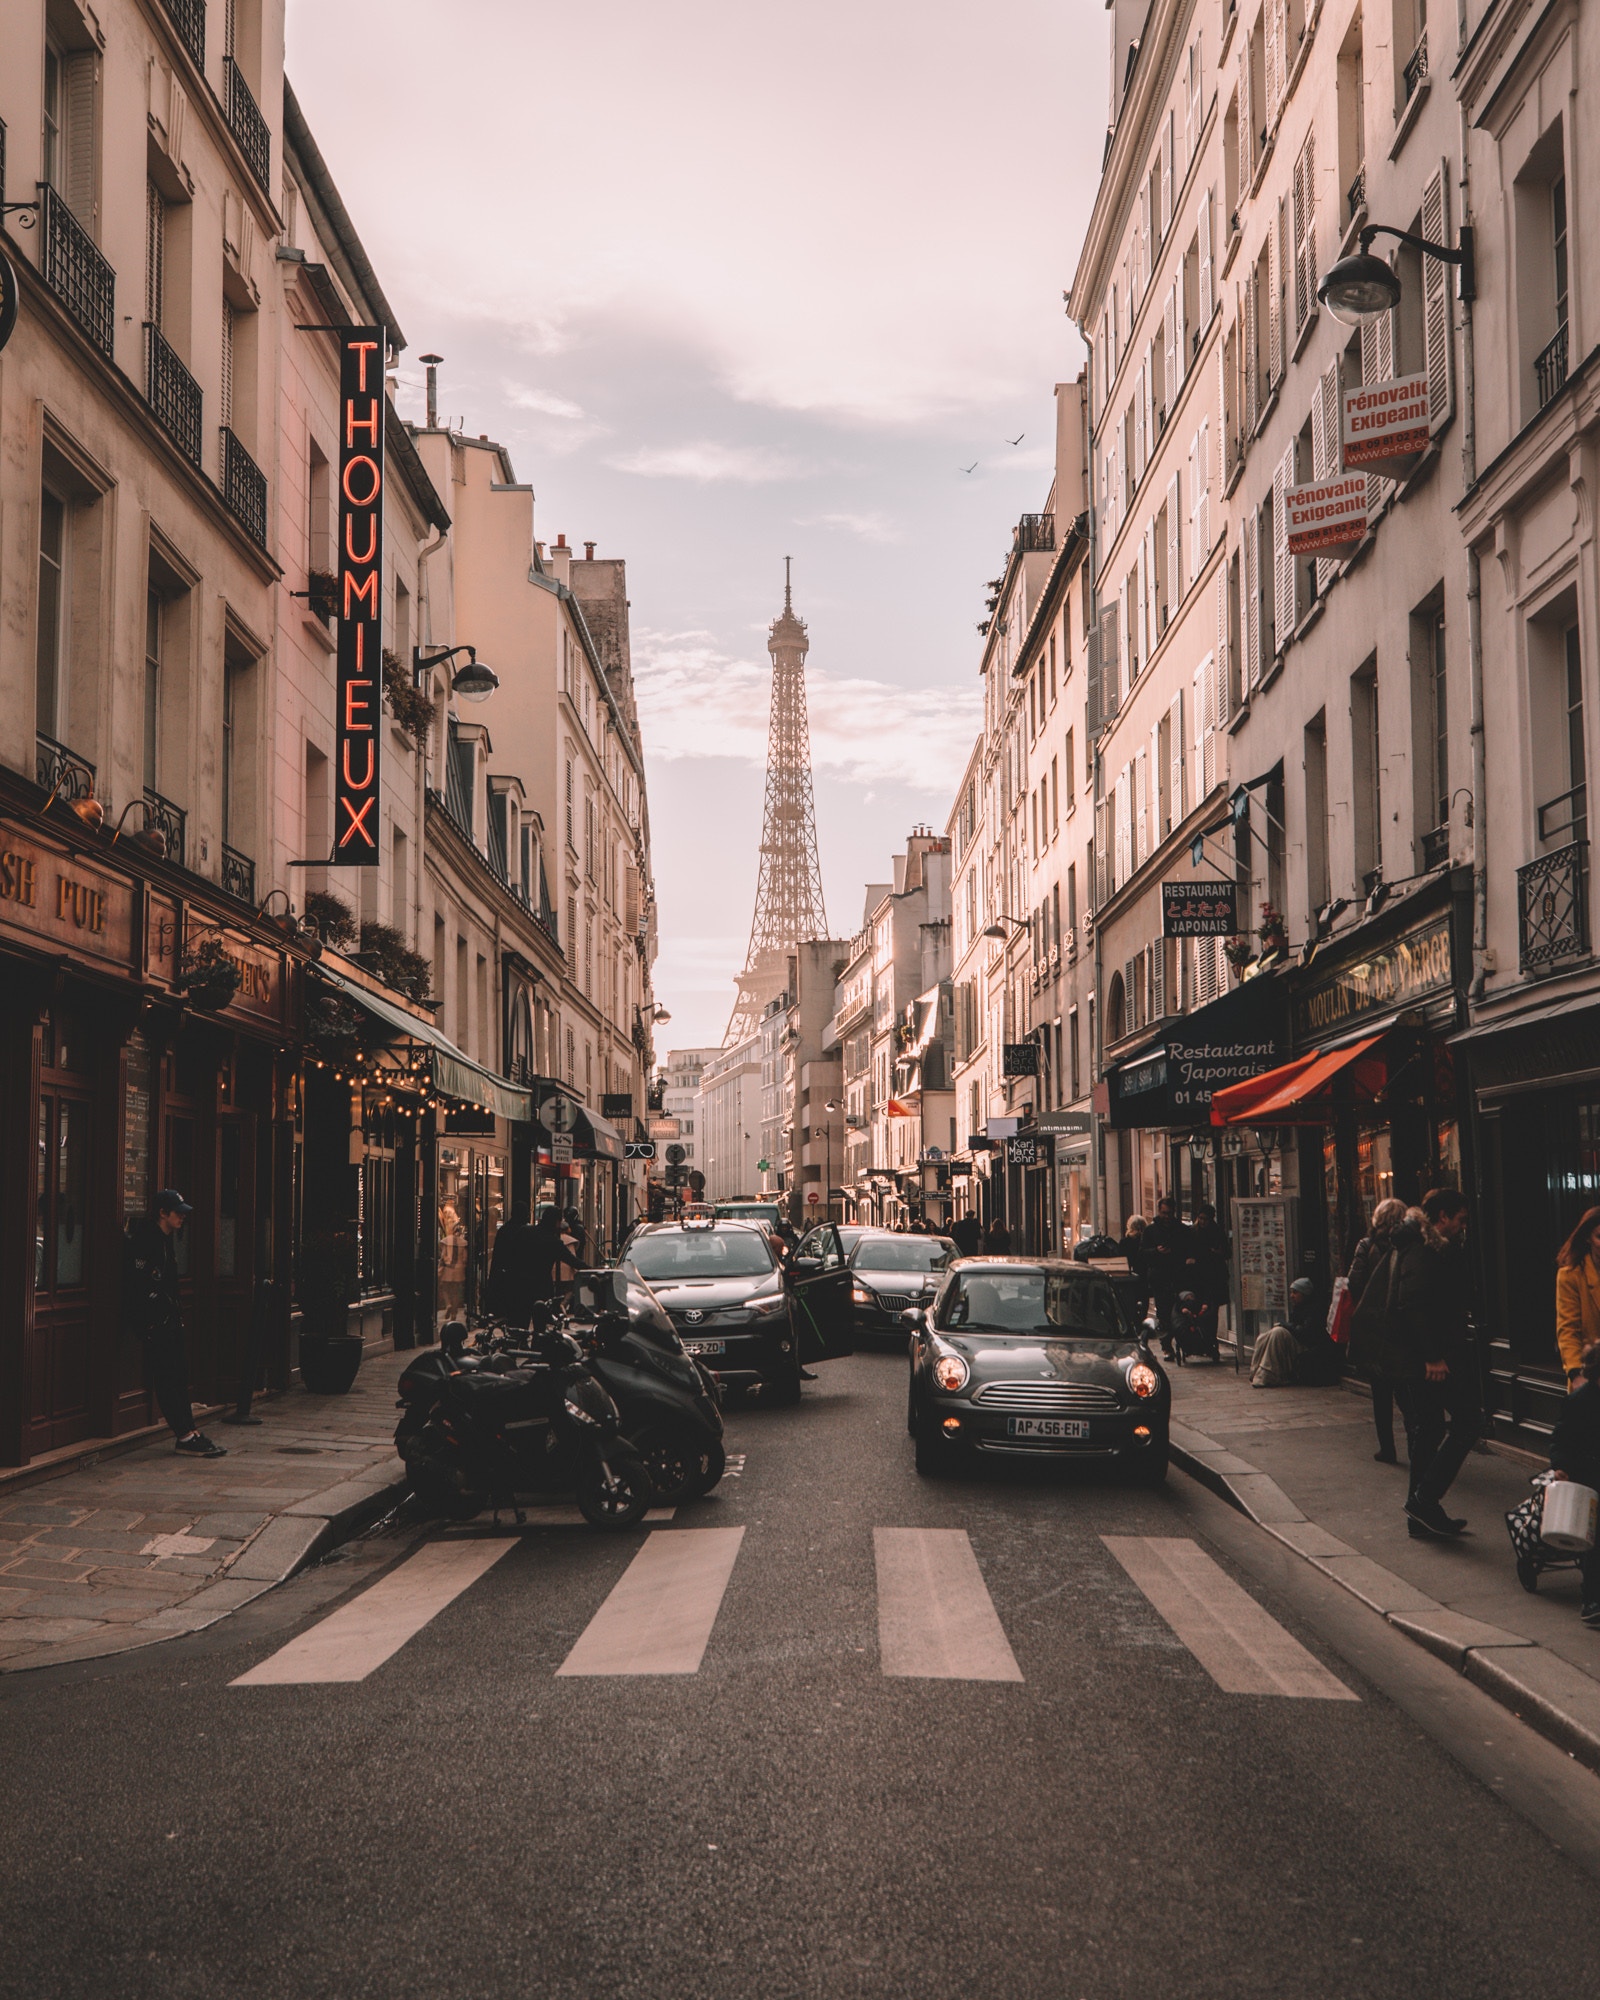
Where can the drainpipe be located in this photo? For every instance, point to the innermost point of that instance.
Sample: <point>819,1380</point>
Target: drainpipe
<point>1469,478</point>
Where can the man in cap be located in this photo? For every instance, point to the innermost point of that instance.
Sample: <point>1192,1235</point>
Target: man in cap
<point>155,1314</point>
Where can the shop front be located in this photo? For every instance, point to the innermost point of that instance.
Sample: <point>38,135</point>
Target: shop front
<point>577,1163</point>
<point>145,1024</point>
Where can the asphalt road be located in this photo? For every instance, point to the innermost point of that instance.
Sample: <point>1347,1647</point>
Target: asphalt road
<point>791,1819</point>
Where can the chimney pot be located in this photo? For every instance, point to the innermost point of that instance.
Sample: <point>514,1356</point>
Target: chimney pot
<point>561,541</point>
<point>588,551</point>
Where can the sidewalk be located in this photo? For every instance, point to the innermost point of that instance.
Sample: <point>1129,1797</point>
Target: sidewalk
<point>1299,1462</point>
<point>146,1546</point>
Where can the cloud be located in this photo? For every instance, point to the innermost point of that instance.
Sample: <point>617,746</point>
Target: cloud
<point>870,527</point>
<point>696,701</point>
<point>748,465</point>
<point>541,401</point>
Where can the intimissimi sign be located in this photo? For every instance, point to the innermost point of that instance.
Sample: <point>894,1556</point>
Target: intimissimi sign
<point>359,738</point>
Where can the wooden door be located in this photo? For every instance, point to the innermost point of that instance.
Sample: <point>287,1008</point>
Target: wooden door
<point>61,1374</point>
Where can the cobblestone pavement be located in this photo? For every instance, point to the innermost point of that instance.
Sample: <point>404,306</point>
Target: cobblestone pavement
<point>139,1547</point>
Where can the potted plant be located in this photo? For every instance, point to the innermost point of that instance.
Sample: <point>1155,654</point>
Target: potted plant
<point>1273,931</point>
<point>329,1353</point>
<point>1237,951</point>
<point>208,977</point>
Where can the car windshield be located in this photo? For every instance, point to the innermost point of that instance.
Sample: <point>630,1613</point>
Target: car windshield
<point>1033,1302</point>
<point>701,1253</point>
<point>901,1253</point>
<point>762,1212</point>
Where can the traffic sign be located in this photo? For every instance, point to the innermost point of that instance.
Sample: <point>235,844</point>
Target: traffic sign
<point>812,1197</point>
<point>561,1149</point>
<point>558,1114</point>
<point>676,1156</point>
<point>638,1149</point>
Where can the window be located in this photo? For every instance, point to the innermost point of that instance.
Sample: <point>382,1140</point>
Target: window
<point>155,254</point>
<point>1351,94</point>
<point>69,134</point>
<point>1541,276</point>
<point>230,699</point>
<point>572,838</point>
<point>1318,890</point>
<point>319,515</point>
<point>1430,728</point>
<point>50,649</point>
<point>1367,772</point>
<point>152,688</point>
<point>225,389</point>
<point>1055,798</point>
<point>1577,757</point>
<point>1558,236</point>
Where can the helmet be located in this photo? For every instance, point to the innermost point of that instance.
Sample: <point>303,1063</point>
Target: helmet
<point>1188,1301</point>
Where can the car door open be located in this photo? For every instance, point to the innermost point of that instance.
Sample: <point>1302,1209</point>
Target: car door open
<point>819,1288</point>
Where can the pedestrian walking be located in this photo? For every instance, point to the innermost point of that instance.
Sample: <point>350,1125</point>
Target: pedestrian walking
<point>1209,1267</point>
<point>1168,1253</point>
<point>1575,1455</point>
<point>967,1235</point>
<point>519,1269</point>
<point>1131,1249</point>
<point>1370,1253</point>
<point>997,1238</point>
<point>155,1312</point>
<point>1578,1296</point>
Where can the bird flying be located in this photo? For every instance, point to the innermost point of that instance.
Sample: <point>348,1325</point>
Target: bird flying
<point>1018,438</point>
<point>968,468</point>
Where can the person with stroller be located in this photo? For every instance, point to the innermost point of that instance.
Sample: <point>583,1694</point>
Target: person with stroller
<point>1575,1455</point>
<point>1370,1255</point>
<point>1168,1258</point>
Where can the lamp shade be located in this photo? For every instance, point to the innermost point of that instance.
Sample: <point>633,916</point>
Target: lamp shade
<point>476,681</point>
<point>1359,288</point>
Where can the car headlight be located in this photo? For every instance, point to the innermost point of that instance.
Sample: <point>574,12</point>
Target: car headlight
<point>763,1308</point>
<point>579,1414</point>
<point>951,1372</point>
<point>1143,1379</point>
<point>861,1296</point>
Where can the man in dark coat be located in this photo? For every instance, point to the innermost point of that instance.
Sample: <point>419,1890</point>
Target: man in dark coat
<point>519,1269</point>
<point>1428,1352</point>
<point>1167,1251</point>
<point>1575,1454</point>
<point>154,1310</point>
<point>967,1235</point>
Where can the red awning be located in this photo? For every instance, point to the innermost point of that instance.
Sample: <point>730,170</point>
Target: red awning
<point>1300,1093</point>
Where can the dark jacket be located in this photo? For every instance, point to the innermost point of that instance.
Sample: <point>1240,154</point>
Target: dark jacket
<point>967,1235</point>
<point>1168,1251</point>
<point>1415,1308</point>
<point>519,1271</point>
<point>1371,1254</point>
<point>150,1299</point>
<point>997,1241</point>
<point>1575,1442</point>
<point>1208,1277</point>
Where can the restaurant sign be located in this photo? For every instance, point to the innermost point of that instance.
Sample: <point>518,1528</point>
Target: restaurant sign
<point>1384,421</point>
<point>359,737</point>
<point>1236,1036</point>
<point>1202,908</point>
<point>1406,969</point>
<point>64,899</point>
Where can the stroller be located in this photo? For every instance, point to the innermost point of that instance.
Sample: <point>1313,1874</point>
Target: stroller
<point>1523,1524</point>
<point>1191,1331</point>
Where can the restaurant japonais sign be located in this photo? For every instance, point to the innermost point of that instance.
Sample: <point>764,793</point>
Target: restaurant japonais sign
<point>1202,908</point>
<point>359,737</point>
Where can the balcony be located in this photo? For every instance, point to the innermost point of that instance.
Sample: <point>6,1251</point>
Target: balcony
<point>244,487</point>
<point>1356,193</point>
<point>238,875</point>
<point>1416,66</point>
<point>1552,908</point>
<point>74,269</point>
<point>172,393</point>
<point>246,122</point>
<point>1550,367</point>
<point>62,772</point>
<point>1036,534</point>
<point>189,18</point>
<point>162,818</point>
<point>1435,849</point>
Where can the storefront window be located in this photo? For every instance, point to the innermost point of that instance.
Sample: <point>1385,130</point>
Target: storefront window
<point>1587,1179</point>
<point>1374,1167</point>
<point>72,1175</point>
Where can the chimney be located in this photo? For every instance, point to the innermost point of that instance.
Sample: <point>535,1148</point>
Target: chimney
<point>588,551</point>
<point>431,362</point>
<point>561,544</point>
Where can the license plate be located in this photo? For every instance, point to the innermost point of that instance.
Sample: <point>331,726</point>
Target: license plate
<point>1048,1427</point>
<point>705,1347</point>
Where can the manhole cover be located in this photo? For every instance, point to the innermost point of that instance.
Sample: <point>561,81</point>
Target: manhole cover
<point>299,1450</point>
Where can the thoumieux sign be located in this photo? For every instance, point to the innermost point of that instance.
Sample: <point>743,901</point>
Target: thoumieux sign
<point>359,737</point>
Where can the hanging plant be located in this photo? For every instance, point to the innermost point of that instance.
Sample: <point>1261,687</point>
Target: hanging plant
<point>207,977</point>
<point>409,706</point>
<point>385,952</point>
<point>333,917</point>
<point>322,594</point>
<point>1273,929</point>
<point>1238,951</point>
<point>333,1028</point>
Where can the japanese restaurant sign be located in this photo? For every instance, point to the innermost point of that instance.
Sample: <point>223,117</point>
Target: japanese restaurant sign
<point>1328,517</point>
<point>358,739</point>
<point>1380,421</point>
<point>1205,907</point>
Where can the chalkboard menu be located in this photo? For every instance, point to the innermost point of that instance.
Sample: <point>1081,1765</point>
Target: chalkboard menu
<point>136,1128</point>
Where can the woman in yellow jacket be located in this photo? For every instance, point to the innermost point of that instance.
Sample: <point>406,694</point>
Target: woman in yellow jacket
<point>1578,1295</point>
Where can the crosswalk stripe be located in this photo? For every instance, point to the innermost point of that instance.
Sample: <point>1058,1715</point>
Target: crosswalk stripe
<point>561,1517</point>
<point>936,1619</point>
<point>1242,1648</point>
<point>357,1638</point>
<point>659,1615</point>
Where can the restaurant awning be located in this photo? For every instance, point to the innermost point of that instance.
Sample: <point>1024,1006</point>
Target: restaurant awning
<point>454,1074</point>
<point>1172,1081</point>
<point>1301,1092</point>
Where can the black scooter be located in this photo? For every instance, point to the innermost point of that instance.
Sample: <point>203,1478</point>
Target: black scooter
<point>475,1431</point>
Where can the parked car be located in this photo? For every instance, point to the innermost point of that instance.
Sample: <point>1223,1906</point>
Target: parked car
<point>736,1308</point>
<point>890,1272</point>
<point>1030,1359</point>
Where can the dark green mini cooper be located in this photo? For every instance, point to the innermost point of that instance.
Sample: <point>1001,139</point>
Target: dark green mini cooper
<point>1034,1360</point>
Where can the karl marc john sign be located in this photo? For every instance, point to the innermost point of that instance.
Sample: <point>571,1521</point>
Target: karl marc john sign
<point>1408,968</point>
<point>359,738</point>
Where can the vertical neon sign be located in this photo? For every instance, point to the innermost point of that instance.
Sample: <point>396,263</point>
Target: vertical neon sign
<point>359,737</point>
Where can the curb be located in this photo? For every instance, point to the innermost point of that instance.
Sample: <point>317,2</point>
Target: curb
<point>289,1542</point>
<point>1540,1688</point>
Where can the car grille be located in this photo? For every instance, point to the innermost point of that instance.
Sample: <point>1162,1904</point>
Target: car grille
<point>1047,1396</point>
<point>897,1301</point>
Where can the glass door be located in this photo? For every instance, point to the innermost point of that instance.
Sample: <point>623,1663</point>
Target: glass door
<point>61,1267</point>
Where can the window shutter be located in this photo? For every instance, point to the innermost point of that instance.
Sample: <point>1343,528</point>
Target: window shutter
<point>1205,259</point>
<point>1110,661</point>
<point>1275,283</point>
<point>1158,980</point>
<point>1122,828</point>
<point>1377,365</point>
<point>155,254</point>
<point>1286,611</point>
<point>1202,497</point>
<point>1141,244</point>
<point>1177,806</point>
<point>1147,594</point>
<point>1252,349</point>
<point>1301,306</point>
<point>1222,704</point>
<point>1436,341</point>
<point>1102,887</point>
<point>1196,550</point>
<point>1140,389</point>
<point>1180,335</point>
<point>1247,121</point>
<point>1167,132</point>
<point>1272,76</point>
<point>1198,709</point>
<point>1308,243</point>
<point>1325,421</point>
<point>80,89</point>
<point>1249,586</point>
<point>1092,682</point>
<point>1191,124</point>
<point>1143,842</point>
<point>1171,368</point>
<point>1174,545</point>
<point>225,396</point>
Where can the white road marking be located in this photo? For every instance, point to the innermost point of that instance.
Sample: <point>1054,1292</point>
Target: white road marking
<point>659,1615</point>
<point>355,1640</point>
<point>735,1465</point>
<point>560,1517</point>
<point>1242,1648</point>
<point>936,1619</point>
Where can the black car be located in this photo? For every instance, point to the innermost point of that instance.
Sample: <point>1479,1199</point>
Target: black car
<point>1035,1359</point>
<point>750,1321</point>
<point>889,1272</point>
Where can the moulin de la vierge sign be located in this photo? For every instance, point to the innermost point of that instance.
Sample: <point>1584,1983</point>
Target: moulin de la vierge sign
<point>359,737</point>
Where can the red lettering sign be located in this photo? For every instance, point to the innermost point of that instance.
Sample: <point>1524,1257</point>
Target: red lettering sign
<point>360,740</point>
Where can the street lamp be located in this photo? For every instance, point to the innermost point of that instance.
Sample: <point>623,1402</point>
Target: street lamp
<point>1364,287</point>
<point>997,930</point>
<point>660,1016</point>
<point>476,681</point>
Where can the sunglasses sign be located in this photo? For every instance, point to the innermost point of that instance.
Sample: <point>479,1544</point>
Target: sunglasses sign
<point>359,736</point>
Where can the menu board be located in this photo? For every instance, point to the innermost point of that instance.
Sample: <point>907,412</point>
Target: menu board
<point>136,1128</point>
<point>1261,1244</point>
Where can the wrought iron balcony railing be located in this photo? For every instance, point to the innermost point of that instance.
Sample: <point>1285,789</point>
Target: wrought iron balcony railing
<point>1435,848</point>
<point>1416,65</point>
<point>1552,907</point>
<point>238,875</point>
<point>244,487</point>
<point>75,270</point>
<point>189,18</point>
<point>1357,193</point>
<point>1036,534</point>
<point>1567,812</point>
<point>162,817</point>
<point>61,771</point>
<point>246,122</point>
<point>1550,367</point>
<point>172,392</point>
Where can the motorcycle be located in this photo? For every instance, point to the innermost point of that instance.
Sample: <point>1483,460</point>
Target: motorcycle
<point>492,1428</point>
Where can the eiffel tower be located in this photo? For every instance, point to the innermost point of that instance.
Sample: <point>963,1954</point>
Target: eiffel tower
<point>789,889</point>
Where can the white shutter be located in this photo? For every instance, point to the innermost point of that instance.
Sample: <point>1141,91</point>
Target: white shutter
<point>1123,826</point>
<point>1206,205</point>
<point>1301,302</point>
<point>1326,449</point>
<point>1196,550</point>
<point>1174,545</point>
<point>1285,610</point>
<point>80,89</point>
<point>1276,344</point>
<point>1177,805</point>
<point>1139,391</point>
<point>1252,349</point>
<point>1249,590</point>
<point>1160,811</point>
<point>1191,124</point>
<point>1272,72</point>
<point>1142,842</point>
<point>1201,497</point>
<point>1142,243</point>
<point>1308,242</point>
<point>155,254</point>
<point>1167,132</point>
<point>1377,365</point>
<point>1169,358</point>
<point>1222,704</point>
<point>1110,659</point>
<point>1180,335</point>
<point>1158,979</point>
<point>1436,338</point>
<point>1247,121</point>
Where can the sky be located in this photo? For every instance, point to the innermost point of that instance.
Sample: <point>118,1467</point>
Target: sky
<point>735,282</point>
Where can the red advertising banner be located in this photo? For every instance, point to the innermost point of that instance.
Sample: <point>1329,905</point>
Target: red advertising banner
<point>1327,517</point>
<point>359,737</point>
<point>1384,420</point>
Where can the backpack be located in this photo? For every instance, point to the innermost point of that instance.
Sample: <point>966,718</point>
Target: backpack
<point>1383,1328</point>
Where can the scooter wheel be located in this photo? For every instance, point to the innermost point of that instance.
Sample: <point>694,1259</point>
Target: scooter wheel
<point>439,1494</point>
<point>681,1466</point>
<point>714,1462</point>
<point>615,1492</point>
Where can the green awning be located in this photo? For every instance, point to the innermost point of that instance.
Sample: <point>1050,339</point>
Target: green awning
<point>454,1074</point>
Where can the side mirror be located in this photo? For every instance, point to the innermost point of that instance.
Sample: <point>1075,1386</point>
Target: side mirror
<point>912,1317</point>
<point>803,1267</point>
